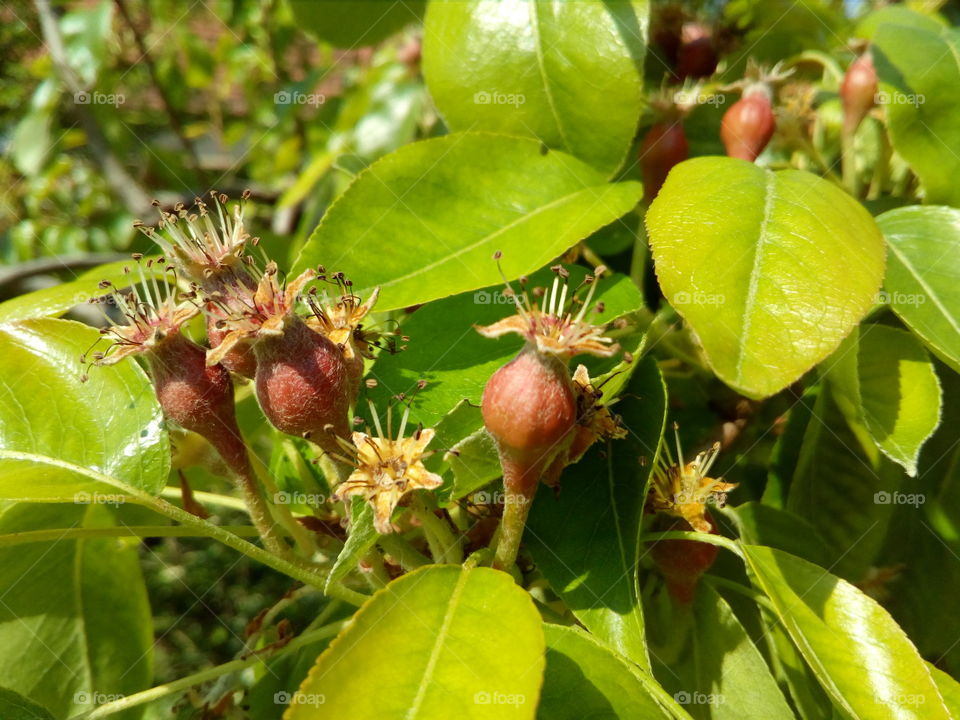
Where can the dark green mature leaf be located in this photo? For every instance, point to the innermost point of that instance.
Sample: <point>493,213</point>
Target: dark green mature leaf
<point>884,379</point>
<point>75,624</point>
<point>857,652</point>
<point>111,424</point>
<point>919,72</point>
<point>923,275</point>
<point>761,524</point>
<point>56,300</point>
<point>847,494</point>
<point>424,222</point>
<point>442,641</point>
<point>721,674</point>
<point>584,679</point>
<point>520,67</point>
<point>456,361</point>
<point>351,24</point>
<point>585,541</point>
<point>14,706</point>
<point>771,270</point>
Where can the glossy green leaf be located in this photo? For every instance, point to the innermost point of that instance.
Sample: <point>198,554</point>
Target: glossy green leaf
<point>721,674</point>
<point>456,361</point>
<point>442,641</point>
<point>424,222</point>
<point>58,299</point>
<point>350,24</point>
<point>771,270</point>
<point>923,275</point>
<point>75,624</point>
<point>51,422</point>
<point>584,679</point>
<point>585,540</point>
<point>883,378</point>
<point>948,687</point>
<point>919,72</point>
<point>14,706</point>
<point>846,493</point>
<point>518,67</point>
<point>858,653</point>
<point>761,524</point>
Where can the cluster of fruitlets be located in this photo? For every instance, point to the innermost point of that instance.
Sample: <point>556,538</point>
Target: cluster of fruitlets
<point>304,368</point>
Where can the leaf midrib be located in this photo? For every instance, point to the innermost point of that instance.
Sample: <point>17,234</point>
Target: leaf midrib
<point>923,284</point>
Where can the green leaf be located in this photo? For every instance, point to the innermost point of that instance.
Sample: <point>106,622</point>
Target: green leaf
<point>519,68</point>
<point>351,24</point>
<point>584,679</point>
<point>761,524</point>
<point>885,379</point>
<point>919,73</point>
<point>771,270</point>
<point>442,641</point>
<point>456,361</point>
<point>845,493</point>
<point>75,623</point>
<point>948,687</point>
<point>857,652</point>
<point>425,221</point>
<point>898,15</point>
<point>721,674</point>
<point>362,537</point>
<point>585,541</point>
<point>14,706</point>
<point>923,275</point>
<point>56,300</point>
<point>53,427</point>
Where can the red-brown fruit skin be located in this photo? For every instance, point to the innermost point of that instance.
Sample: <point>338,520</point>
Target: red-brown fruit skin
<point>197,397</point>
<point>858,92</point>
<point>302,384</point>
<point>529,408</point>
<point>697,54</point>
<point>241,359</point>
<point>682,562</point>
<point>747,126</point>
<point>664,145</point>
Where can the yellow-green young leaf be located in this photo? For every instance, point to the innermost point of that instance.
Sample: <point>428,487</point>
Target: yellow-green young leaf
<point>75,625</point>
<point>858,653</point>
<point>923,275</point>
<point>440,642</point>
<point>770,269</point>
<point>518,67</point>
<point>948,687</point>
<point>424,222</point>
<point>54,428</point>
<point>58,299</point>
<point>351,24</point>
<point>919,73</point>
<point>585,679</point>
<point>884,379</point>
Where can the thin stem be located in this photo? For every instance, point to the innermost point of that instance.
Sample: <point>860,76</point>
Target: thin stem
<point>377,574</point>
<point>298,532</point>
<point>736,587</point>
<point>851,179</point>
<point>207,498</point>
<point>341,592</point>
<point>140,531</point>
<point>402,551</point>
<point>203,676</point>
<point>516,507</point>
<point>443,545</point>
<point>638,261</point>
<point>260,515</point>
<point>709,538</point>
